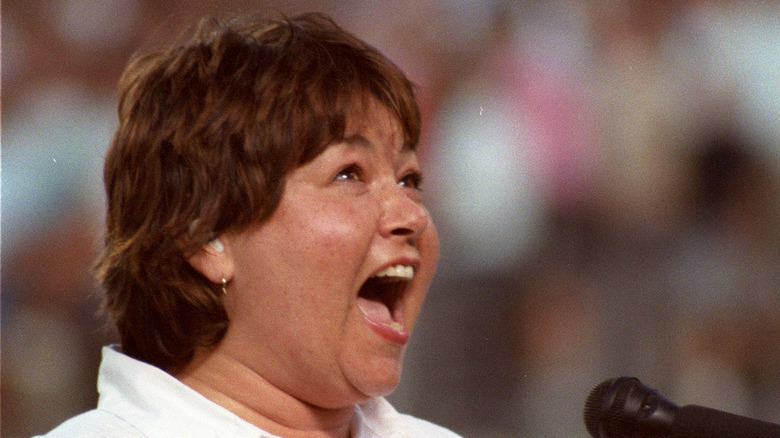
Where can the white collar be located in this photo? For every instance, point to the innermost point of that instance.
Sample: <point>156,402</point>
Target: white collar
<point>159,405</point>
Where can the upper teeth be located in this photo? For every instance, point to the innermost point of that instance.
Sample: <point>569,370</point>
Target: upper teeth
<point>403,271</point>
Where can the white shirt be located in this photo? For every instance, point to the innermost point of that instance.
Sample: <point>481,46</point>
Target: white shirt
<point>140,400</point>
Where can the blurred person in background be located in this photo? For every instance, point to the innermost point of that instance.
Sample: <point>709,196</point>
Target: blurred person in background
<point>267,250</point>
<point>58,116</point>
<point>729,269</point>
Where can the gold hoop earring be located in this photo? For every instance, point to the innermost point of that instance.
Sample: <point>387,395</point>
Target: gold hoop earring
<point>224,286</point>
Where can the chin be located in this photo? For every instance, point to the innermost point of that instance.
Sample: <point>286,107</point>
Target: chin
<point>378,380</point>
<point>361,391</point>
<point>382,388</point>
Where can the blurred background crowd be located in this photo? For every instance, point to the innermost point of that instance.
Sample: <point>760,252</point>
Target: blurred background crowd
<point>605,176</point>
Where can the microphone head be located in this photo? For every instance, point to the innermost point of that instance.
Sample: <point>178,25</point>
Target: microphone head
<point>603,405</point>
<point>624,407</point>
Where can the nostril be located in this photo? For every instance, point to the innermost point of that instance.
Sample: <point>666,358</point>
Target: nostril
<point>401,231</point>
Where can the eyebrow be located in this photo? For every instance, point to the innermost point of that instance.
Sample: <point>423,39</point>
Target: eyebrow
<point>357,140</point>
<point>363,143</point>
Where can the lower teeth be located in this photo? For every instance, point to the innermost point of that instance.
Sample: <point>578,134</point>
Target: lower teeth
<point>395,326</point>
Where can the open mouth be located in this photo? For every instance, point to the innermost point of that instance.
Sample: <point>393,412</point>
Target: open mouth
<point>380,296</point>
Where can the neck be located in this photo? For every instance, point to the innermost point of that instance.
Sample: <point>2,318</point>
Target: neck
<point>237,388</point>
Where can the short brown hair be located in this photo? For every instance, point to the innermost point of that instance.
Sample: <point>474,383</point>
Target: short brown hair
<point>208,130</point>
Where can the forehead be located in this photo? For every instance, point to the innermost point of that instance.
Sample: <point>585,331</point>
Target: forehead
<point>374,122</point>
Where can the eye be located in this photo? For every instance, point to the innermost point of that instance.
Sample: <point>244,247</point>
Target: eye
<point>350,173</point>
<point>412,180</point>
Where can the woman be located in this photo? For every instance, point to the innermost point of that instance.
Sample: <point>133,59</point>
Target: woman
<point>267,251</point>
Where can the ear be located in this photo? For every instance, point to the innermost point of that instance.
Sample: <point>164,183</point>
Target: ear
<point>213,260</point>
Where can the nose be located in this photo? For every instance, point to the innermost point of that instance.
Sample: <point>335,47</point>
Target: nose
<point>402,215</point>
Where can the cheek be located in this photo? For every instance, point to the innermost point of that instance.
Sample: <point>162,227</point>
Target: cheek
<point>338,232</point>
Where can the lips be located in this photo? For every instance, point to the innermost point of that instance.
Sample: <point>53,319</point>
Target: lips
<point>379,300</point>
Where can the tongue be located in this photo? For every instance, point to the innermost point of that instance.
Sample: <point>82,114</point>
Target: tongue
<point>375,311</point>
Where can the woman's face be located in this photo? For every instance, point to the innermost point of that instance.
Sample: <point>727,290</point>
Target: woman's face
<point>325,292</point>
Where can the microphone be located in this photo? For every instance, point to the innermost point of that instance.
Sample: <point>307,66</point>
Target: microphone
<point>624,407</point>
